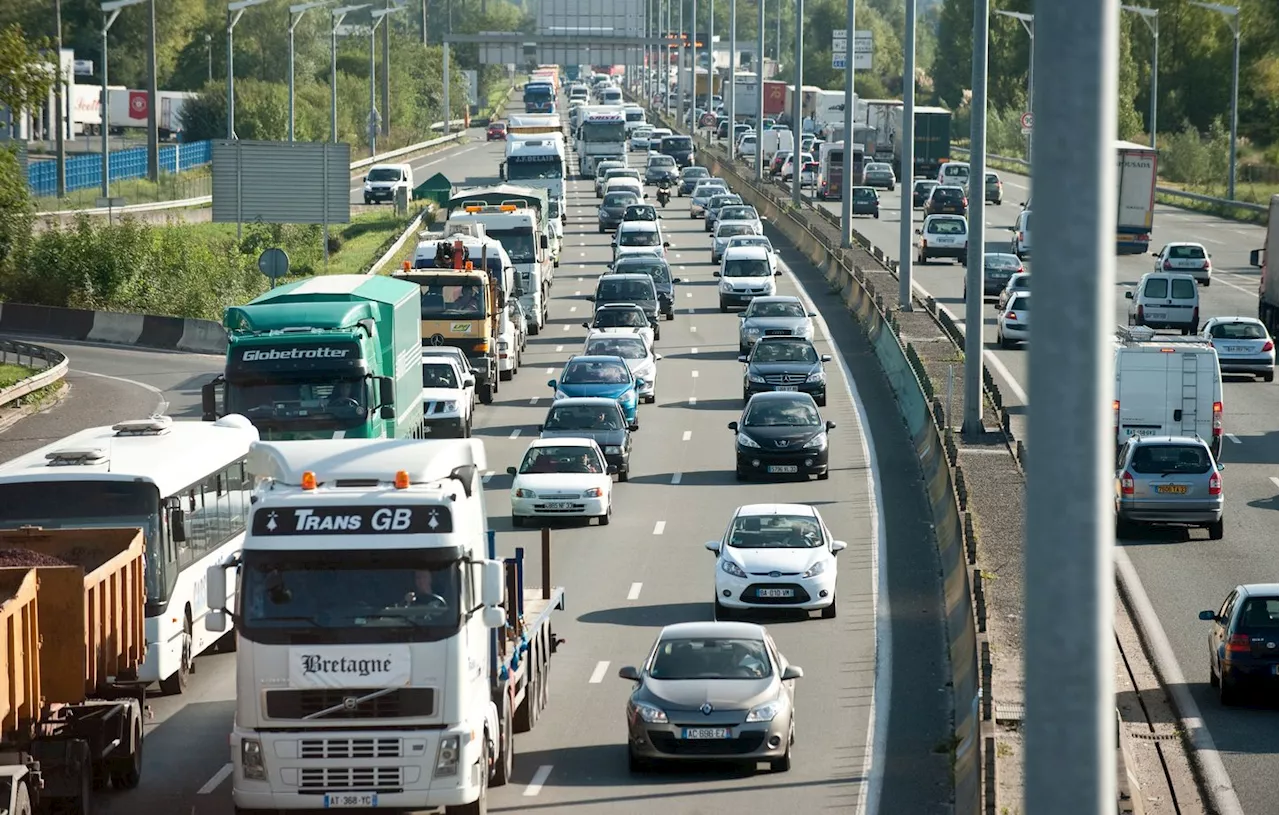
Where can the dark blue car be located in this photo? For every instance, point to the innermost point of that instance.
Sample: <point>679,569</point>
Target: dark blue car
<point>599,376</point>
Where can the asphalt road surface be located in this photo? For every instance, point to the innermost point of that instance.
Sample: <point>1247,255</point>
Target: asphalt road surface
<point>1182,572</point>
<point>647,569</point>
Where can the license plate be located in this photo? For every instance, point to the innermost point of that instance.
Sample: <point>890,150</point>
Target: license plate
<point>787,387</point>
<point>782,468</point>
<point>559,505</point>
<point>1237,349</point>
<point>1141,431</point>
<point>706,733</point>
<point>775,593</point>
<point>1172,489</point>
<point>351,800</point>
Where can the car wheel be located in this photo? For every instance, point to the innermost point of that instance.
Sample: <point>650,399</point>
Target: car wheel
<point>1006,344</point>
<point>824,475</point>
<point>821,400</point>
<point>517,521</point>
<point>723,308</point>
<point>657,333</point>
<point>1213,677</point>
<point>602,229</point>
<point>923,259</point>
<point>740,474</point>
<point>636,764</point>
<point>829,612</point>
<point>624,473</point>
<point>1124,528</point>
<point>605,518</point>
<point>1216,530</point>
<point>1269,376</point>
<point>1227,692</point>
<point>782,765</point>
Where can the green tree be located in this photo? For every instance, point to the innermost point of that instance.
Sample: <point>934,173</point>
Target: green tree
<point>24,78</point>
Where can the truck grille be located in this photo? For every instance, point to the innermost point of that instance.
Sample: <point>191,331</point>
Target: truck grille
<point>401,703</point>
<point>350,748</point>
<point>329,779</point>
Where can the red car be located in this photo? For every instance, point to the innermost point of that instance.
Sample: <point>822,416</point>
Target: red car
<point>497,131</point>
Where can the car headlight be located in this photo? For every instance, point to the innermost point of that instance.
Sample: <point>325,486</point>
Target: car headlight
<point>447,756</point>
<point>755,378</point>
<point>729,567</point>
<point>648,713</point>
<point>726,286</point>
<point>628,397</point>
<point>752,331</point>
<point>448,407</point>
<point>806,330</point>
<point>817,442</point>
<point>613,451</point>
<point>816,569</point>
<point>817,376</point>
<point>747,441</point>
<point>251,763</point>
<point>561,394</point>
<point>603,213</point>
<point>765,713</point>
<point>644,372</point>
<point>522,492</point>
<point>594,492</point>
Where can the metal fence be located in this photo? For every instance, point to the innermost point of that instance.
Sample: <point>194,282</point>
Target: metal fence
<point>85,171</point>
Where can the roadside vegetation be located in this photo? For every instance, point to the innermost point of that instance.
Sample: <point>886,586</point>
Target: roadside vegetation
<point>13,374</point>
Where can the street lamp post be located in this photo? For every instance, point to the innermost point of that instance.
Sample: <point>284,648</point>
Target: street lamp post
<point>1151,17</point>
<point>733,77</point>
<point>1029,25</point>
<point>234,12</point>
<point>376,18</point>
<point>295,17</point>
<point>680,77</point>
<point>208,47</point>
<point>846,182</point>
<point>693,74</point>
<point>110,11</point>
<point>336,17</point>
<point>759,157</point>
<point>1233,16</point>
<point>711,56</point>
<point>972,425</point>
<point>796,105</point>
<point>907,166</point>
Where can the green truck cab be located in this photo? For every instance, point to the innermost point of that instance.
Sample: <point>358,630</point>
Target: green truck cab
<point>336,356</point>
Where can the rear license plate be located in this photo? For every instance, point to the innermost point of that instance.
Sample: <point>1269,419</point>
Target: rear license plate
<point>782,468</point>
<point>778,593</point>
<point>706,733</point>
<point>351,800</point>
<point>1237,349</point>
<point>787,387</point>
<point>559,505</point>
<point>1172,489</point>
<point>1141,431</point>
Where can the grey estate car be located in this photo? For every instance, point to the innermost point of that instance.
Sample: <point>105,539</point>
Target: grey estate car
<point>780,316</point>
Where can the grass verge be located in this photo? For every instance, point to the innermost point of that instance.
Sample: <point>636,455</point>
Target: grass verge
<point>11,375</point>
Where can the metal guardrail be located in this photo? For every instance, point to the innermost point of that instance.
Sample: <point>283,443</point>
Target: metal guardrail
<point>205,200</point>
<point>1171,192</point>
<point>50,366</point>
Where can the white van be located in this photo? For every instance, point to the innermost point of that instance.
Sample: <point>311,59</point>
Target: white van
<point>1167,386</point>
<point>954,172</point>
<point>1165,300</point>
<point>611,95</point>
<point>771,141</point>
<point>383,180</point>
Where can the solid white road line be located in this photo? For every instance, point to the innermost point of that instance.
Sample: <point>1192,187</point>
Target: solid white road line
<point>1275,481</point>
<point>693,350</point>
<point>634,594</point>
<point>688,434</point>
<point>658,527</point>
<point>598,674</point>
<point>688,293</point>
<point>213,783</point>
<point>693,328</point>
<point>514,434</point>
<point>539,778</point>
<point>1234,439</point>
<point>675,478</point>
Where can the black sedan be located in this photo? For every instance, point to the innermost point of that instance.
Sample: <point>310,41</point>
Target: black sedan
<point>689,178</point>
<point>596,418</point>
<point>660,271</point>
<point>785,364</point>
<point>997,268</point>
<point>781,434</point>
<point>866,201</point>
<point>614,208</point>
<point>920,192</point>
<point>1242,642</point>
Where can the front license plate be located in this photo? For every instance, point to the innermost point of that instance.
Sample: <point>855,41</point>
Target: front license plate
<point>1172,489</point>
<point>706,733</point>
<point>559,505</point>
<point>787,387</point>
<point>777,593</point>
<point>351,800</point>
<point>782,468</point>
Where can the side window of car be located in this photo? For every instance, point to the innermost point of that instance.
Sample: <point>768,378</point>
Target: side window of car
<point>1228,605</point>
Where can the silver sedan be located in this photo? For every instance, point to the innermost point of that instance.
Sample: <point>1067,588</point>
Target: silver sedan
<point>703,193</point>
<point>773,317</point>
<point>712,691</point>
<point>1243,346</point>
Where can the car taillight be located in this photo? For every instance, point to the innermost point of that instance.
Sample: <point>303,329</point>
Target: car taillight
<point>1238,644</point>
<point>1013,315</point>
<point>924,243</point>
<point>1167,265</point>
<point>964,202</point>
<point>1115,417</point>
<point>1268,346</point>
<point>1205,266</point>
<point>1217,418</point>
<point>1195,316</point>
<point>1126,483</point>
<point>1215,484</point>
<point>1140,309</point>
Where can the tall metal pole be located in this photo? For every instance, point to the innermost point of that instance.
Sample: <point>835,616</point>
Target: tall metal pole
<point>906,149</point>
<point>1031,95</point>
<point>386,77</point>
<point>846,184</point>
<point>796,105</point>
<point>1070,743</point>
<point>758,160</point>
<point>733,76</point>
<point>693,72</point>
<point>972,426</point>
<point>232,18</point>
<point>1151,19</point>
<point>445,89</point>
<point>107,20</point>
<point>373,82</point>
<point>777,37</point>
<point>424,22</point>
<point>711,55</point>
<point>292,25</point>
<point>208,47</point>
<point>153,98</point>
<point>59,97</point>
<point>681,78</point>
<point>336,18</point>
<point>1235,104</point>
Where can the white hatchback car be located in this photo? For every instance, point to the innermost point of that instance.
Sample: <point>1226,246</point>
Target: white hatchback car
<point>746,272</point>
<point>1014,323</point>
<point>635,350</point>
<point>943,236</point>
<point>776,556</point>
<point>562,478</point>
<point>1184,257</point>
<point>448,394</point>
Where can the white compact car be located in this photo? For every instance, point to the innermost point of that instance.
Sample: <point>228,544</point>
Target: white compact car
<point>776,556</point>
<point>448,394</point>
<point>1014,323</point>
<point>562,478</point>
<point>746,272</point>
<point>943,236</point>
<point>756,240</point>
<point>1184,257</point>
<point>635,350</point>
<point>639,139</point>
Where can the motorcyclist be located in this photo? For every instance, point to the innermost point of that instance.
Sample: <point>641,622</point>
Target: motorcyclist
<point>664,192</point>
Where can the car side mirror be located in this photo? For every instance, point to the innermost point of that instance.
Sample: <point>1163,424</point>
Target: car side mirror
<point>777,273</point>
<point>551,383</point>
<point>633,427</point>
<point>1128,295</point>
<point>629,672</point>
<point>666,244</point>
<point>657,357</point>
<point>742,358</point>
<point>733,426</point>
<point>677,280</point>
<point>713,546</point>
<point>792,672</point>
<point>542,242</point>
<point>511,471</point>
<point>918,232</point>
<point>178,525</point>
<point>715,274</point>
<point>216,591</point>
<point>364,178</point>
<point>468,383</point>
<point>1208,616</point>
<point>838,546</point>
<point>1221,466</point>
<point>592,297</point>
<point>826,357</point>
<point>1155,254</point>
<point>831,425</point>
<point>811,314</point>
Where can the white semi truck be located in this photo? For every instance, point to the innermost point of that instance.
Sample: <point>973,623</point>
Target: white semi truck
<point>602,135</point>
<point>385,656</point>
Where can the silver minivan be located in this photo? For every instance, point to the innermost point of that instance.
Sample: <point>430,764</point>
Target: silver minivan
<point>1165,300</point>
<point>1168,480</point>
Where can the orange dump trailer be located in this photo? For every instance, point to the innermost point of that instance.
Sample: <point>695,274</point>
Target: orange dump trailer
<point>71,622</point>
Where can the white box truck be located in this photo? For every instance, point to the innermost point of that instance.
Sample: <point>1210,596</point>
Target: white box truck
<point>1135,197</point>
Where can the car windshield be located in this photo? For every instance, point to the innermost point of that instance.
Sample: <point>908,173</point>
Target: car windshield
<point>778,413</point>
<point>926,186</point>
<point>629,291</point>
<point>1020,282</point>
<point>763,308</point>
<point>620,318</point>
<point>775,532</point>
<point>1260,616</point>
<point>605,166</point>
<point>595,372</point>
<point>709,658</point>
<point>865,193</point>
<point>640,212</point>
<point>729,230</point>
<point>443,300</point>
<point>1186,252</point>
<point>519,243</point>
<point>708,191</point>
<point>1001,263</point>
<point>694,172</point>
<point>1237,331</point>
<point>784,352</point>
<point>662,161</point>
<point>677,143</point>
<point>656,269</point>
<point>621,172</point>
<point>719,201</point>
<point>383,174</point>
<point>533,167</point>
<point>638,237</point>
<point>1164,459</point>
<point>950,226</point>
<point>731,213</point>
<point>618,200</point>
<point>1020,302</point>
<point>568,459</point>
<point>877,168</point>
<point>944,193</point>
<point>746,267</point>
<point>438,375</point>
<point>627,347</point>
<point>751,240</point>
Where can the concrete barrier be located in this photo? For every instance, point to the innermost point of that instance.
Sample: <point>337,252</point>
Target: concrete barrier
<point>147,330</point>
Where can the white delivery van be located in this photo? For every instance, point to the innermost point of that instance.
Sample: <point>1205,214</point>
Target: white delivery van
<point>953,172</point>
<point>1165,300</point>
<point>383,180</point>
<point>771,141</point>
<point>1167,385</point>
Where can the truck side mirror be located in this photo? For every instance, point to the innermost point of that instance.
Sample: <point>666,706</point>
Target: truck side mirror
<point>542,241</point>
<point>209,401</point>
<point>491,583</point>
<point>386,392</point>
<point>1255,258</point>
<point>502,171</point>
<point>216,591</point>
<point>178,525</point>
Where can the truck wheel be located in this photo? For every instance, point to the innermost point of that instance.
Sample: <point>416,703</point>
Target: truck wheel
<point>505,376</point>
<point>486,393</point>
<point>480,806</point>
<point>22,801</point>
<point>526,716</point>
<point>126,771</point>
<point>506,743</point>
<point>177,683</point>
<point>534,329</point>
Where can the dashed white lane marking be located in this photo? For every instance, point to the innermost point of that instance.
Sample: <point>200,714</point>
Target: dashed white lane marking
<point>533,400</point>
<point>693,328</point>
<point>693,400</point>
<point>485,479</point>
<point>582,254</point>
<point>514,433</point>
<point>688,294</point>
<point>539,778</point>
<point>675,478</point>
<point>549,370</point>
<point>567,327</point>
<point>572,309</point>
<point>1275,481</point>
<point>688,434</point>
<point>577,293</point>
<point>559,348</point>
<point>1233,438</point>
<point>695,374</point>
<point>218,777</point>
<point>634,594</point>
<point>598,674</point>
<point>658,527</point>
<point>693,350</point>
<point>580,279</point>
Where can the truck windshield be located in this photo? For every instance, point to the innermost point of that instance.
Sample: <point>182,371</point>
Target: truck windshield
<point>383,174</point>
<point>537,93</point>
<point>604,131</point>
<point>314,401</point>
<point>444,300</point>
<point>519,243</point>
<point>525,167</point>
<point>358,595</point>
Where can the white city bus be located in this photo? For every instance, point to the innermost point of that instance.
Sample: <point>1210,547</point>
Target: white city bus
<point>184,483</point>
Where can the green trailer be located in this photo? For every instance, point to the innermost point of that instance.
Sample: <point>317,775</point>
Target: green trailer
<point>336,356</point>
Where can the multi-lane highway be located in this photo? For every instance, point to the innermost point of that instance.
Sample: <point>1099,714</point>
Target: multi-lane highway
<point>1182,573</point>
<point>873,705</point>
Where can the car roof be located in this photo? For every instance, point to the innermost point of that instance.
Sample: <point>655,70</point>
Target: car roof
<point>586,401</point>
<point>1184,243</point>
<point>625,276</point>
<point>597,358</point>
<point>708,628</point>
<point>777,298</point>
<point>562,441</point>
<point>782,396</point>
<point>746,252</point>
<point>1237,319</point>
<point>616,306</point>
<point>639,226</point>
<point>776,509</point>
<point>1258,589</point>
<point>1143,441</point>
<point>947,217</point>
